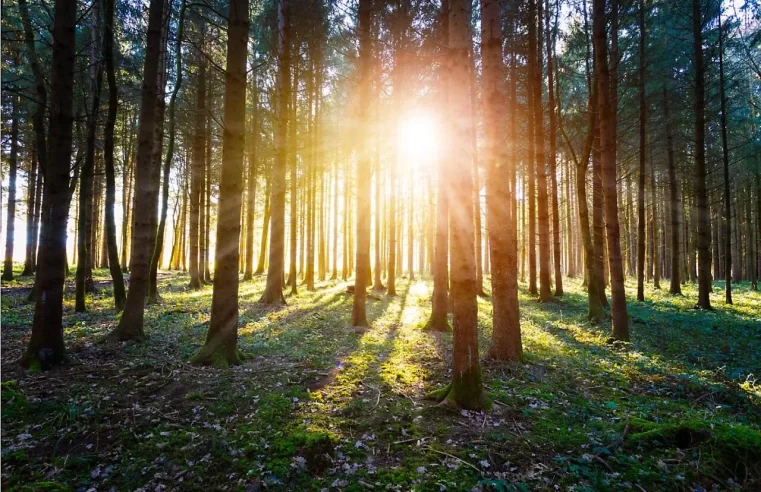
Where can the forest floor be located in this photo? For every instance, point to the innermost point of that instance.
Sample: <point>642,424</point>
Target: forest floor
<point>318,405</point>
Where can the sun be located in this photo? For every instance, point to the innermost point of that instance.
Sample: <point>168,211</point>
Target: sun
<point>418,138</point>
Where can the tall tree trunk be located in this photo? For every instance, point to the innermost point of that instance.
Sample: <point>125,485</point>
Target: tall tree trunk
<point>725,162</point>
<point>131,323</point>
<point>701,193</point>
<point>438,320</point>
<point>675,286</point>
<point>221,347</point>
<point>31,181</point>
<point>292,160</point>
<point>207,183</point>
<point>358,312</point>
<point>607,140</point>
<point>642,161</point>
<point>117,278</point>
<point>197,167</point>
<point>251,192</point>
<point>153,295</point>
<point>506,332</point>
<point>10,221</point>
<point>466,389</point>
<point>46,347</point>
<point>531,142</point>
<point>265,222</point>
<point>87,212</point>
<point>273,292</point>
<point>476,176</point>
<point>556,250</point>
<point>543,219</point>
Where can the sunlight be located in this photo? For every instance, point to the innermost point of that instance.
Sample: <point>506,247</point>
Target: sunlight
<point>418,137</point>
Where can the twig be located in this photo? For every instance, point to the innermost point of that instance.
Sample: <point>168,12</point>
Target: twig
<point>453,457</point>
<point>410,440</point>
<point>610,469</point>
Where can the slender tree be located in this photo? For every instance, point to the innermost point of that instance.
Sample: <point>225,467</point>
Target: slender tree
<point>725,162</point>
<point>607,140</point>
<point>11,211</point>
<point>143,228</point>
<point>466,389</point>
<point>506,332</point>
<point>46,347</point>
<point>642,157</point>
<point>273,292</point>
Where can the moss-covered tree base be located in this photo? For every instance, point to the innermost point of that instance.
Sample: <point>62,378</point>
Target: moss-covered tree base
<point>218,357</point>
<point>43,359</point>
<point>504,354</point>
<point>439,325</point>
<point>464,392</point>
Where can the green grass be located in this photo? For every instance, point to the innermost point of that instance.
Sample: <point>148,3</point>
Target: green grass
<point>318,405</point>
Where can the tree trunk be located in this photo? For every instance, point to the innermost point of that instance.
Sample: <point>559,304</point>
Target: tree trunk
<point>642,161</point>
<point>10,221</point>
<point>117,278</point>
<point>725,162</point>
<point>438,320</point>
<point>144,226</point>
<point>701,193</point>
<point>556,250</point>
<point>292,160</point>
<point>87,212</point>
<point>197,167</point>
<point>251,196</point>
<point>46,347</point>
<point>607,140</point>
<point>273,292</point>
<point>466,389</point>
<point>543,219</point>
<point>506,331</point>
<point>221,347</point>
<point>265,223</point>
<point>31,181</point>
<point>531,154</point>
<point>358,312</point>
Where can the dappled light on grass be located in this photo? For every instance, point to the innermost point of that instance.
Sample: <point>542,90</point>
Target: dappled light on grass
<point>314,386</point>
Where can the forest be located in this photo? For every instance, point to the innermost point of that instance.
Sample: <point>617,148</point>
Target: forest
<point>350,245</point>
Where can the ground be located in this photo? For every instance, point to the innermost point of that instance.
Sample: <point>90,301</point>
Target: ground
<point>320,405</point>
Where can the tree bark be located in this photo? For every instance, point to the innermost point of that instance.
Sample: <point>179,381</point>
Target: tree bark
<point>197,167</point>
<point>10,221</point>
<point>438,320</point>
<point>273,292</point>
<point>117,278</point>
<point>131,323</point>
<point>506,331</point>
<point>607,140</point>
<point>358,312</point>
<point>88,213</point>
<point>30,206</point>
<point>466,389</point>
<point>701,193</point>
<point>221,347</point>
<point>725,162</point>
<point>46,346</point>
<point>642,158</point>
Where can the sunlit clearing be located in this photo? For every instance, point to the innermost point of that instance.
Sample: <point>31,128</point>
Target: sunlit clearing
<point>418,137</point>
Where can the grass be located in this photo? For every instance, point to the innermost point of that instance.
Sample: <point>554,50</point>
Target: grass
<point>320,406</point>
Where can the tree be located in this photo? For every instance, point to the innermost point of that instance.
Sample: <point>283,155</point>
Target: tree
<point>153,295</point>
<point>466,389</point>
<point>273,292</point>
<point>439,301</point>
<point>87,233</point>
<point>725,163</point>
<point>46,347</point>
<point>607,141</point>
<point>197,166</point>
<point>642,158</point>
<point>144,225</point>
<point>11,217</point>
<point>701,193</point>
<point>108,154</point>
<point>506,331</point>
<point>362,277</point>
<point>221,346</point>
